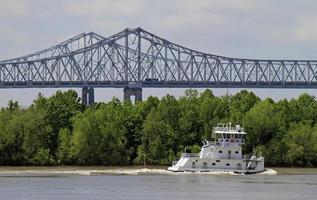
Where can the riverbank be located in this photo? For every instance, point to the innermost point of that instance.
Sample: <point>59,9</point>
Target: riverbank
<point>128,170</point>
<point>79,170</point>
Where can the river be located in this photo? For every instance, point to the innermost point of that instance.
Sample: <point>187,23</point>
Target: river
<point>297,184</point>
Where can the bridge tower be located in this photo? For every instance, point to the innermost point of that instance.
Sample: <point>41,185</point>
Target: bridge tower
<point>128,92</point>
<point>133,89</point>
<point>88,96</point>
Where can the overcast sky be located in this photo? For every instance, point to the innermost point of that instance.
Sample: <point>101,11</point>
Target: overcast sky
<point>268,29</point>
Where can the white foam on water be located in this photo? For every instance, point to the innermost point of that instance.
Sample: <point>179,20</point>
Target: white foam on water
<point>134,171</point>
<point>119,171</point>
<point>157,172</point>
<point>43,172</point>
<point>268,171</point>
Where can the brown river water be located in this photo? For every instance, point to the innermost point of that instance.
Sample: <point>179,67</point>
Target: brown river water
<point>147,184</point>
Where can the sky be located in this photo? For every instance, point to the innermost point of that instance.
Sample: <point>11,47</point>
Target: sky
<point>267,29</point>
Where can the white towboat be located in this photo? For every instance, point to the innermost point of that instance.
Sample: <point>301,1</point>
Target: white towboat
<point>223,154</point>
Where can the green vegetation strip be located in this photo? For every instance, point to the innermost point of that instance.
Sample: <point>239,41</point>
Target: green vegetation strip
<point>59,130</point>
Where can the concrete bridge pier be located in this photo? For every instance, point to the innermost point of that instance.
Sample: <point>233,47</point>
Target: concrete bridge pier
<point>128,92</point>
<point>88,96</point>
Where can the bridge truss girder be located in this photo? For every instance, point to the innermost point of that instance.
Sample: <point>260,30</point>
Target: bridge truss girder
<point>137,57</point>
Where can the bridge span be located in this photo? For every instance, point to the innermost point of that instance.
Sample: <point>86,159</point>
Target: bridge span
<point>134,58</point>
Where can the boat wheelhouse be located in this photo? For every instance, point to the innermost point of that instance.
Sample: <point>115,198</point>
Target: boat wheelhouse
<point>222,153</point>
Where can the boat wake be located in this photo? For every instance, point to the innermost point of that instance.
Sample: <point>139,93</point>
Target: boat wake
<point>268,171</point>
<point>142,171</point>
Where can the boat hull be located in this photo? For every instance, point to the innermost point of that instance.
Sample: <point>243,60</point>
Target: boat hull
<point>241,172</point>
<point>238,166</point>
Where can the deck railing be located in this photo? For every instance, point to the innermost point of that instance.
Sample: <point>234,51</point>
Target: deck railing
<point>228,128</point>
<point>226,142</point>
<point>189,155</point>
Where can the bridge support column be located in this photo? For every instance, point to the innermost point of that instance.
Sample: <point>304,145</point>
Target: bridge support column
<point>128,92</point>
<point>91,96</point>
<point>88,96</point>
<point>84,93</point>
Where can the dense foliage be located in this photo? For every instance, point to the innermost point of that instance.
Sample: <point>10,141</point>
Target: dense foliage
<point>59,130</point>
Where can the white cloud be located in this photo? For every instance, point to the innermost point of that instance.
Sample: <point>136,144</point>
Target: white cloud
<point>12,8</point>
<point>190,20</point>
<point>107,27</point>
<point>207,15</point>
<point>93,8</point>
<point>220,5</point>
<point>206,25</point>
<point>306,29</point>
<point>14,44</point>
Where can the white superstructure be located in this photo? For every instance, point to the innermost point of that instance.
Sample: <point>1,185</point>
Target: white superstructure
<point>224,153</point>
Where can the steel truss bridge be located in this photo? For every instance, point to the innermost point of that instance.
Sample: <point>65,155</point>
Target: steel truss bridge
<point>135,58</point>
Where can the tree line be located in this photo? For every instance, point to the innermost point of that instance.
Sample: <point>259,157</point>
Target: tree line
<point>59,130</point>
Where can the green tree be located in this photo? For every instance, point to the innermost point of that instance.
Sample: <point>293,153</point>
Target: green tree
<point>10,140</point>
<point>210,112</point>
<point>36,135</point>
<point>156,147</point>
<point>13,105</point>
<point>190,124</point>
<point>98,136</point>
<point>59,110</point>
<point>240,104</point>
<point>64,155</point>
<point>23,134</point>
<point>301,142</point>
<point>303,108</point>
<point>261,124</point>
<point>131,121</point>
